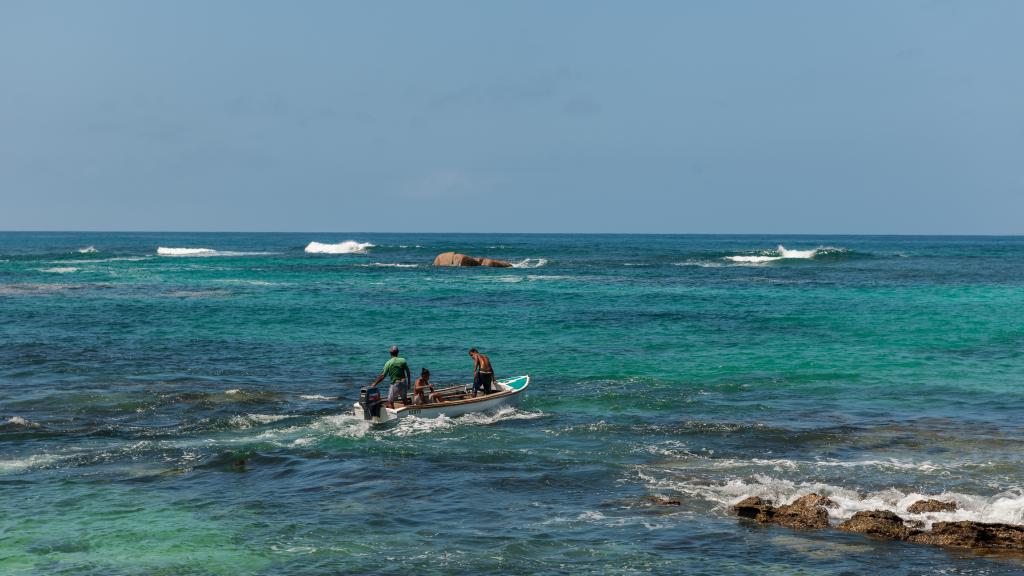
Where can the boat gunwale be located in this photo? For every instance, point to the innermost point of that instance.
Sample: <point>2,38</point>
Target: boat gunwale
<point>494,396</point>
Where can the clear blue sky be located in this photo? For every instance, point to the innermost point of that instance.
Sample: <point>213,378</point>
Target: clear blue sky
<point>558,116</point>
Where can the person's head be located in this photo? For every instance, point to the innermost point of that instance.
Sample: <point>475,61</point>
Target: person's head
<point>425,374</point>
<point>473,352</point>
<point>394,350</point>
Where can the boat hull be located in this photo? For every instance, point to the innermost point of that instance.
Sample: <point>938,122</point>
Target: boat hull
<point>508,394</point>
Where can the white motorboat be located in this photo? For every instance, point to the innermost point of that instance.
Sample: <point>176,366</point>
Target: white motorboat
<point>454,401</point>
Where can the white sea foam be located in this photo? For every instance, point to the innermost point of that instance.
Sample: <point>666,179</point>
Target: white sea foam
<point>413,425</point>
<point>204,252</point>
<point>102,260</point>
<point>700,263</point>
<point>1006,507</point>
<point>88,250</point>
<point>503,279</point>
<point>19,421</point>
<point>162,251</point>
<point>537,278</point>
<point>781,253</point>
<point>33,461</point>
<point>753,259</point>
<point>250,420</point>
<point>317,397</point>
<point>346,247</point>
<point>530,263</point>
<point>59,269</point>
<point>233,391</point>
<point>389,265</point>
<point>340,425</point>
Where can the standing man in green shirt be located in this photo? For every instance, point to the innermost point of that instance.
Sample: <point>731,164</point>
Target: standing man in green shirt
<point>398,370</point>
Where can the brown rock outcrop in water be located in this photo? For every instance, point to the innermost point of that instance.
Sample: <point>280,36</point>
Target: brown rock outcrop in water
<point>805,513</point>
<point>881,523</point>
<point>975,535</point>
<point>457,259</point>
<point>494,263</point>
<point>809,512</point>
<point>931,506</point>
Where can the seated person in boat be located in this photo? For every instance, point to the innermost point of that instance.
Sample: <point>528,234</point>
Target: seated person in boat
<point>419,392</point>
<point>398,370</point>
<point>483,373</point>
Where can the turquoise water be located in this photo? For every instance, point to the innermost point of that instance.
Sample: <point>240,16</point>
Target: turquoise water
<point>703,369</point>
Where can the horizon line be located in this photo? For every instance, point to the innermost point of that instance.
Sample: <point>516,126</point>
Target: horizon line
<point>877,234</point>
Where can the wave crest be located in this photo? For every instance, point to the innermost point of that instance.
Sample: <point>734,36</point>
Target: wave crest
<point>162,251</point>
<point>783,253</point>
<point>88,250</point>
<point>346,247</point>
<point>530,263</point>
<point>1006,507</point>
<point>203,252</point>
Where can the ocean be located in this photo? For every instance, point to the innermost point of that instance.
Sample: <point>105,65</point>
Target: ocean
<point>180,403</point>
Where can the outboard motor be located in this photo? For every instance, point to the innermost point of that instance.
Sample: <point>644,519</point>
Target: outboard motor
<point>369,399</point>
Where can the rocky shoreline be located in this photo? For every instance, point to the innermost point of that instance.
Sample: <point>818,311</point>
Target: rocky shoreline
<point>810,512</point>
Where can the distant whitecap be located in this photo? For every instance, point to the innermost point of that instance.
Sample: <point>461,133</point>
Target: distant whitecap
<point>346,247</point>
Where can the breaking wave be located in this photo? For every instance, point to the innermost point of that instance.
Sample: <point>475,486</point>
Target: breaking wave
<point>530,263</point>
<point>389,265</point>
<point>88,250</point>
<point>202,252</point>
<point>1006,507</point>
<point>59,269</point>
<point>783,253</point>
<point>346,247</point>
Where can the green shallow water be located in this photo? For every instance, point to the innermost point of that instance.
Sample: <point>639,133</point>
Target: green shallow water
<point>189,414</point>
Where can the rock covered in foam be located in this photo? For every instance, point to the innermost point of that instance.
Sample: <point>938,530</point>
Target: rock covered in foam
<point>457,259</point>
<point>931,505</point>
<point>810,512</point>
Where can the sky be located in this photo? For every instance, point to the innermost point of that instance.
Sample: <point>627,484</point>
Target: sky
<point>816,117</point>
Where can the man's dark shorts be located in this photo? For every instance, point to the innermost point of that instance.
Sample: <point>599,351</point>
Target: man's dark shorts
<point>483,380</point>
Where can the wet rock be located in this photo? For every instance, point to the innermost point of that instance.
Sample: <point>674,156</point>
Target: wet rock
<point>810,500</point>
<point>756,508</point>
<point>881,523</point>
<point>805,513</point>
<point>457,259</point>
<point>976,535</point>
<point>922,506</point>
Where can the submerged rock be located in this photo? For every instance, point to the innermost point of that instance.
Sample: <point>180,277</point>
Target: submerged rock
<point>976,535</point>
<point>881,523</point>
<point>931,505</point>
<point>655,500</point>
<point>457,259</point>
